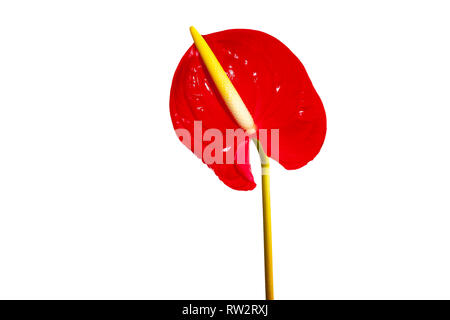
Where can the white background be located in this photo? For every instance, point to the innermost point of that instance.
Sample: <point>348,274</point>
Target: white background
<point>98,198</point>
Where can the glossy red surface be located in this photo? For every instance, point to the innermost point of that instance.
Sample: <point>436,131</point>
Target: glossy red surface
<point>273,85</point>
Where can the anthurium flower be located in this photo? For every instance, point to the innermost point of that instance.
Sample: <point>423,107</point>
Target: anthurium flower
<point>276,90</point>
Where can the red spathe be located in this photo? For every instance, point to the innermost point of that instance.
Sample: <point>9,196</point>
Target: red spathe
<point>274,86</point>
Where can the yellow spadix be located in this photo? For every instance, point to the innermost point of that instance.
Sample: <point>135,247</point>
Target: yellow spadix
<point>223,84</point>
